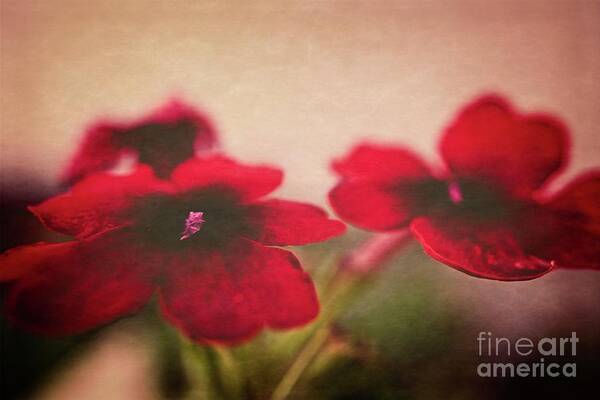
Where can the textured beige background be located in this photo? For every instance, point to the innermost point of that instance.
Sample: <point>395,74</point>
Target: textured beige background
<point>291,83</point>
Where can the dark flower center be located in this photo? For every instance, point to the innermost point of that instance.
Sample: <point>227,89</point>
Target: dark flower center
<point>479,201</point>
<point>465,198</point>
<point>211,218</point>
<point>162,145</point>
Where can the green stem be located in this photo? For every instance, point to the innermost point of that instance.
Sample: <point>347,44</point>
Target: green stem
<point>173,379</point>
<point>335,288</point>
<point>216,372</point>
<point>302,361</point>
<point>204,371</point>
<point>173,382</point>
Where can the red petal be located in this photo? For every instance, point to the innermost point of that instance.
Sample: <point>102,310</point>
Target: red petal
<point>249,182</point>
<point>281,222</point>
<point>381,162</point>
<point>79,285</point>
<point>567,246</point>
<point>566,237</point>
<point>17,261</point>
<point>98,203</point>
<point>175,110</point>
<point>490,140</point>
<point>568,226</point>
<point>228,298</point>
<point>382,187</point>
<point>105,143</point>
<point>484,251</point>
<point>369,205</point>
<point>385,206</point>
<point>581,200</point>
<point>97,152</point>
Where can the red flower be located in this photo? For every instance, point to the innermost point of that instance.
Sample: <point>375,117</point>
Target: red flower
<point>486,214</point>
<point>165,138</point>
<point>202,241</point>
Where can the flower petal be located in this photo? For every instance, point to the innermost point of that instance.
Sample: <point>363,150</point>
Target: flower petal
<point>385,206</point>
<point>249,182</point>
<point>581,200</point>
<point>381,162</point>
<point>383,187</point>
<point>79,285</point>
<point>164,138</point>
<point>369,205</point>
<point>97,152</point>
<point>282,222</point>
<point>175,111</point>
<point>17,261</point>
<point>568,246</point>
<point>567,226</point>
<point>99,202</point>
<point>566,237</point>
<point>491,251</point>
<point>490,140</point>
<point>228,297</point>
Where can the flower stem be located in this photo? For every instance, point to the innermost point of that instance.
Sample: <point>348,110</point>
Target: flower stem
<point>216,372</point>
<point>337,286</point>
<point>173,379</point>
<point>306,355</point>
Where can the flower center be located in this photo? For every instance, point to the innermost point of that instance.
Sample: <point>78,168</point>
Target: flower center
<point>193,224</point>
<point>211,218</point>
<point>479,201</point>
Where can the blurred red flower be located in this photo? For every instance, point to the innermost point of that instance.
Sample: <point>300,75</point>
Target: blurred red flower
<point>486,213</point>
<point>201,241</point>
<point>163,139</point>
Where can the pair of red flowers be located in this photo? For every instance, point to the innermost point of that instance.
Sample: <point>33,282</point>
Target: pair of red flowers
<point>199,233</point>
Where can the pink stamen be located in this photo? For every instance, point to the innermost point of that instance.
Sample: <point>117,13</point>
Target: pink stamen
<point>454,192</point>
<point>193,224</point>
